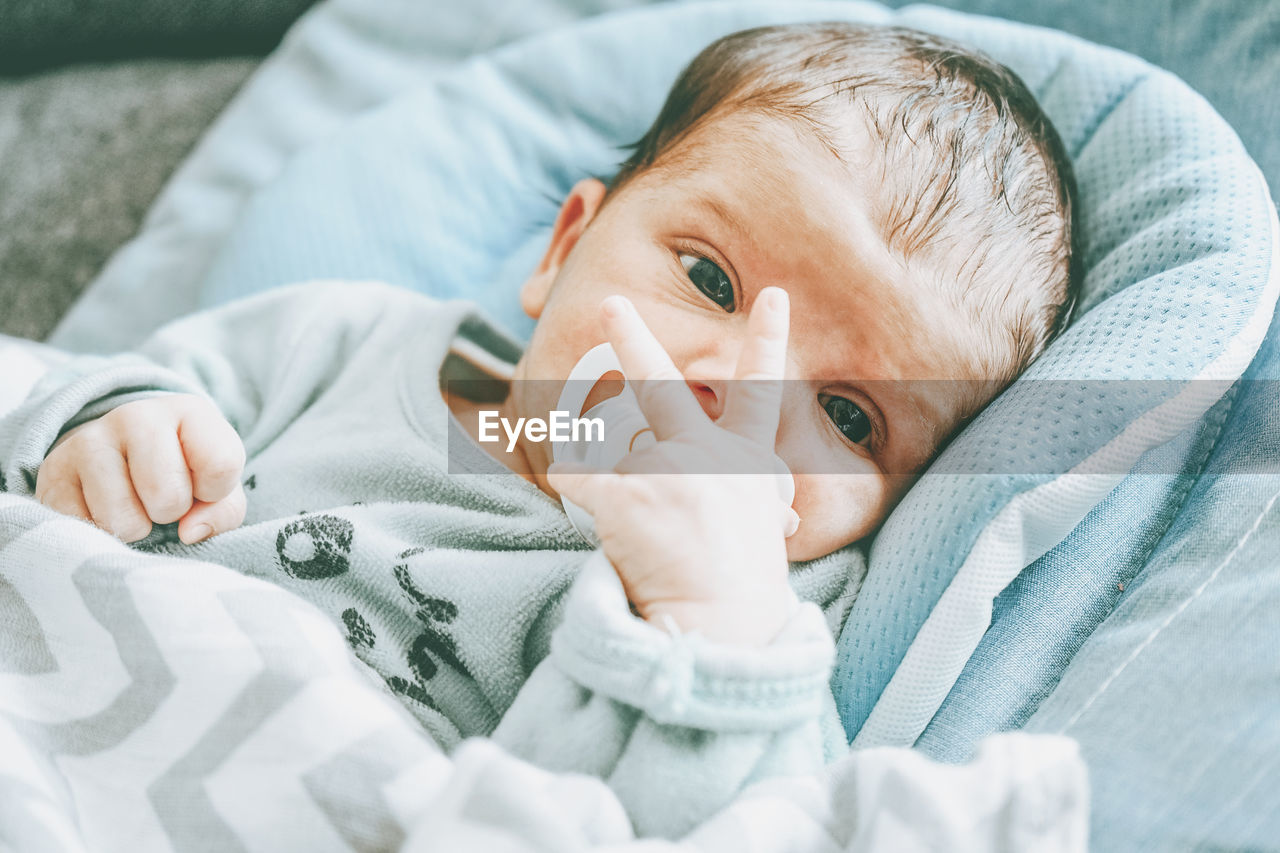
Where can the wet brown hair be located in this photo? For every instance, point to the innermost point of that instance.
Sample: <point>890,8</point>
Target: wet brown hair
<point>977,189</point>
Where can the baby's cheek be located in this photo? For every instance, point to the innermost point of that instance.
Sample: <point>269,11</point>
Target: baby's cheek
<point>835,510</point>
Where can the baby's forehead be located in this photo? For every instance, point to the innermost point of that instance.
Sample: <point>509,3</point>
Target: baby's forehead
<point>745,136</point>
<point>785,195</point>
<point>747,169</point>
<point>766,162</point>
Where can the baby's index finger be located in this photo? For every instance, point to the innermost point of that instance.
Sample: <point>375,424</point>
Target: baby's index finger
<point>642,357</point>
<point>765,354</point>
<point>665,399</point>
<point>753,402</point>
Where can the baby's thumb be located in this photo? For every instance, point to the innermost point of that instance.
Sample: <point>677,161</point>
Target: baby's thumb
<point>580,483</point>
<point>790,522</point>
<point>209,519</point>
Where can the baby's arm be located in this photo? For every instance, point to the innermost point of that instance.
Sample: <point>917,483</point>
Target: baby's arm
<point>676,724</point>
<point>198,394</point>
<point>724,681</point>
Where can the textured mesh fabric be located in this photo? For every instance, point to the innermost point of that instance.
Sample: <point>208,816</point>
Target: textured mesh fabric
<point>1181,280</point>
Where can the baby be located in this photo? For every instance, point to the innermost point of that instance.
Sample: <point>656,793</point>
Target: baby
<point>823,220</point>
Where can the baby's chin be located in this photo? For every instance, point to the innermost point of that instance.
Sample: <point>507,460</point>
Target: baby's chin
<point>837,510</point>
<point>811,544</point>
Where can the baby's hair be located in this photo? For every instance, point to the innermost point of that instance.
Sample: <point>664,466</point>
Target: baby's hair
<point>976,182</point>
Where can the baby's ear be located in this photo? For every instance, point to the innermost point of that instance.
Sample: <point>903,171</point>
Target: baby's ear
<point>577,211</point>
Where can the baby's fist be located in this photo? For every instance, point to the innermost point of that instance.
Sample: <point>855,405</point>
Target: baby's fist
<point>164,459</point>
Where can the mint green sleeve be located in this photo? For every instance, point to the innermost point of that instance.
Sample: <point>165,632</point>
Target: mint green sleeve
<point>260,360</point>
<point>676,725</point>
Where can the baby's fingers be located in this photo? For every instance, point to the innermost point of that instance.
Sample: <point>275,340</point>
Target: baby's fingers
<point>158,470</point>
<point>213,452</point>
<point>588,487</point>
<point>110,498</point>
<point>665,399</point>
<point>790,522</point>
<point>62,494</point>
<point>755,397</point>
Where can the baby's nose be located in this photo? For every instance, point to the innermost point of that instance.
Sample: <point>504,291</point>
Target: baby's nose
<point>709,369</point>
<point>710,396</point>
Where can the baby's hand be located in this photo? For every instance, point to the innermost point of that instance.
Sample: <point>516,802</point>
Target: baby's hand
<point>692,536</point>
<point>165,459</point>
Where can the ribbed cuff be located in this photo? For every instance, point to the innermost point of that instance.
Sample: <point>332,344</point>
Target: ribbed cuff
<point>682,678</point>
<point>68,396</point>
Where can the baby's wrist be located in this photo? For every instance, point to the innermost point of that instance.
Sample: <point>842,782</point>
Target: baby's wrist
<point>753,621</point>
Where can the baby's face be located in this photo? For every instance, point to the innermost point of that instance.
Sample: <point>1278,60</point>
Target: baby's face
<point>754,202</point>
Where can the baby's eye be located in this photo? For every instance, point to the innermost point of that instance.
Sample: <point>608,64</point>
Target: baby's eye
<point>849,418</point>
<point>711,280</point>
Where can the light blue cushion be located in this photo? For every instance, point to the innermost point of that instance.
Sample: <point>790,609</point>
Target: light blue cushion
<point>1175,696</point>
<point>452,188</point>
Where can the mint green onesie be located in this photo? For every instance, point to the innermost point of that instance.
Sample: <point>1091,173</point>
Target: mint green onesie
<point>457,587</point>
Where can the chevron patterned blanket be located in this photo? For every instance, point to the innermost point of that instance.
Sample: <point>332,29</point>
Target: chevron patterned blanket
<point>155,703</point>
<point>150,702</point>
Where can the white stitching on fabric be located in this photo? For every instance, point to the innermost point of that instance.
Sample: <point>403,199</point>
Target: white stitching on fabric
<point>1187,484</point>
<point>1102,688</point>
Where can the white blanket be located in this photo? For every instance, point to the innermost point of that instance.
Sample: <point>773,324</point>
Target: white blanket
<point>152,703</point>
